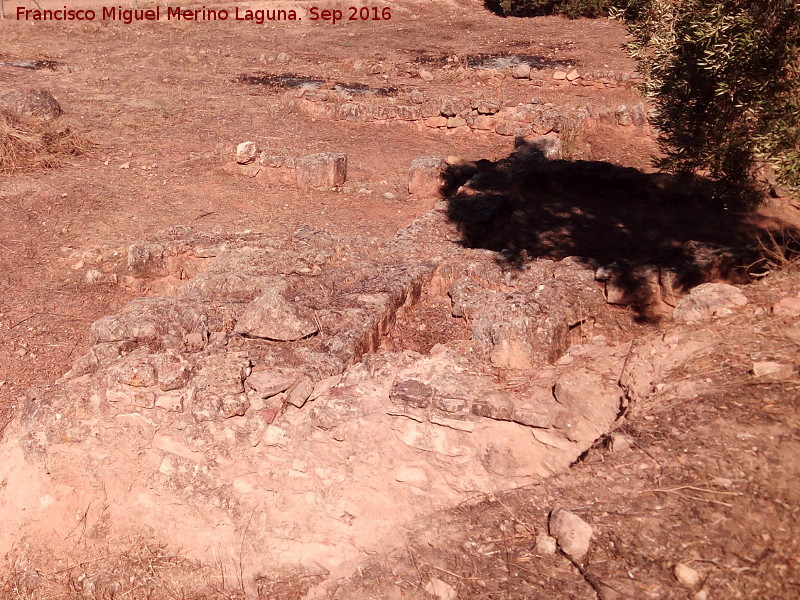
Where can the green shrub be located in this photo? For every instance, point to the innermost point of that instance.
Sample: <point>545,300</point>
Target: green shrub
<point>724,76</point>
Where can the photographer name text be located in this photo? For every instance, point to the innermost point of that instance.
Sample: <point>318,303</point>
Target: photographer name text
<point>178,13</point>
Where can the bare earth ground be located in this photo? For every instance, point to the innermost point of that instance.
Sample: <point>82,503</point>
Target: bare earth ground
<point>710,480</point>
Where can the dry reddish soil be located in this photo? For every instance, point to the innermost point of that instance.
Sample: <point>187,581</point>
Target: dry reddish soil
<point>710,479</point>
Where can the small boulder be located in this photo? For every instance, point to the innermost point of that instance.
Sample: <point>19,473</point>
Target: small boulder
<point>522,71</point>
<point>272,317</point>
<point>708,301</point>
<point>39,104</point>
<point>246,152</point>
<point>425,177</point>
<point>686,575</point>
<point>787,307</point>
<point>268,383</point>
<point>572,533</point>
<point>323,170</point>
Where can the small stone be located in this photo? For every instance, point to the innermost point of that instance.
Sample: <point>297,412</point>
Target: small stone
<point>92,276</point>
<point>440,589</point>
<point>324,386</point>
<point>573,75</point>
<point>411,393</point>
<point>572,533</point>
<point>623,116</point>
<point>438,121</point>
<point>274,436</point>
<point>139,374</point>
<point>488,107</point>
<point>298,394</point>
<point>701,595</point>
<point>773,370</point>
<point>246,152</point>
<point>233,405</point>
<point>425,177</point>
<point>686,575</point>
<point>283,58</point>
<point>620,442</point>
<point>194,341</point>
<point>549,146</point>
<point>454,122</point>
<point>787,307</point>
<point>483,123</point>
<point>425,75</point>
<point>136,420</point>
<point>522,71</point>
<point>449,107</point>
<point>560,75</point>
<point>545,545</point>
<point>269,383</point>
<point>506,127</point>
<point>417,97</point>
<point>172,402</point>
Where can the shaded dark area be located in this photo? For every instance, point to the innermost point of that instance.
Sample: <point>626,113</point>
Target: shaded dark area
<point>495,60</point>
<point>638,226</point>
<point>504,59</point>
<point>531,9</point>
<point>572,9</point>
<point>26,63</point>
<point>288,81</point>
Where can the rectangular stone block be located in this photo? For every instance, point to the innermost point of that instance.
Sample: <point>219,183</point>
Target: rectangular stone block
<point>323,170</point>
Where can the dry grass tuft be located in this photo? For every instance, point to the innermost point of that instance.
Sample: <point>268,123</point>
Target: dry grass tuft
<point>30,144</point>
<point>778,251</point>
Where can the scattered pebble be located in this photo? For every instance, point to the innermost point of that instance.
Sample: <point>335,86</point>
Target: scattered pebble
<point>686,575</point>
<point>545,545</point>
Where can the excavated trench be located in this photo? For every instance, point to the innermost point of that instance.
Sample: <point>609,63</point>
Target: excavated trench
<point>290,81</point>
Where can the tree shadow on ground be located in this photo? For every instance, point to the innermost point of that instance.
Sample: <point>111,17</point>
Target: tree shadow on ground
<point>531,9</point>
<point>644,225</point>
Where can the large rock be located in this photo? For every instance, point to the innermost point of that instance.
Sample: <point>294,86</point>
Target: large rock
<point>708,301</point>
<point>323,170</point>
<point>272,317</point>
<point>34,103</point>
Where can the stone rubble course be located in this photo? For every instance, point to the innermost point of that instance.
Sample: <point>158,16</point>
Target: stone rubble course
<point>323,170</point>
<point>250,417</point>
<point>478,114</point>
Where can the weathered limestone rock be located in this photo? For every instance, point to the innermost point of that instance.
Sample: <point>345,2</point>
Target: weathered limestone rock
<point>323,170</point>
<point>708,301</point>
<point>521,71</point>
<point>425,177</point>
<point>246,153</point>
<point>272,317</point>
<point>572,533</point>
